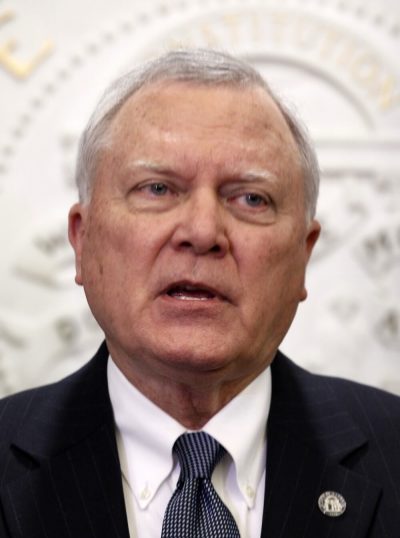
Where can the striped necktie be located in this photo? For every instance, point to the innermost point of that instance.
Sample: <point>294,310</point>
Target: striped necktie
<point>195,509</point>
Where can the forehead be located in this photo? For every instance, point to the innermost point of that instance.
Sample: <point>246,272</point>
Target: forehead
<point>187,121</point>
<point>167,102</point>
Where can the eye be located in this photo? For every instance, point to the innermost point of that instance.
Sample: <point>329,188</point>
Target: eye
<point>250,205</point>
<point>253,199</point>
<point>158,189</point>
<point>153,195</point>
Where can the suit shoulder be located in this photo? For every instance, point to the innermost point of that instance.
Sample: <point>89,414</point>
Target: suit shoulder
<point>20,402</point>
<point>375,410</point>
<point>341,385</point>
<point>21,406</point>
<point>374,407</point>
<point>47,402</point>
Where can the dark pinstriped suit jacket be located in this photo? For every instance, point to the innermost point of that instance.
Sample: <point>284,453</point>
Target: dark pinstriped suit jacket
<point>60,476</point>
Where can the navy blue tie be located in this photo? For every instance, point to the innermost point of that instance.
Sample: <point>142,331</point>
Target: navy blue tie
<point>195,509</point>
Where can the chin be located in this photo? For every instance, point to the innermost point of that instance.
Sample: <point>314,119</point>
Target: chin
<point>200,356</point>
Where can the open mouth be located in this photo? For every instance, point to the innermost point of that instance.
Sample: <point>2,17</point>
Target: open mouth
<point>189,292</point>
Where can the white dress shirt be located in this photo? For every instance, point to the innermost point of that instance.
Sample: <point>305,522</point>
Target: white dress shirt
<point>145,437</point>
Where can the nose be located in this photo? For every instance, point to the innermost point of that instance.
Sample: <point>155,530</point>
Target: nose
<point>201,226</point>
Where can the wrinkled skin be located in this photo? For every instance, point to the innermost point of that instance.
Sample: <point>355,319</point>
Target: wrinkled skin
<point>193,248</point>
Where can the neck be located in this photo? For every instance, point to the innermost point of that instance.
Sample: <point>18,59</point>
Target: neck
<point>191,407</point>
<point>192,399</point>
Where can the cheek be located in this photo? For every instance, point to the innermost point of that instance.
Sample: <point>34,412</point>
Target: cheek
<point>274,284</point>
<point>258,255</point>
<point>111,272</point>
<point>102,243</point>
<point>273,266</point>
<point>121,248</point>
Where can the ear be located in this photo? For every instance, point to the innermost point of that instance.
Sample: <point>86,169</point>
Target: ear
<point>76,233</point>
<point>313,232</point>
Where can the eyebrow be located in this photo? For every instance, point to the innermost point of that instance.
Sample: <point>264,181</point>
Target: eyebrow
<point>152,166</point>
<point>164,169</point>
<point>258,175</point>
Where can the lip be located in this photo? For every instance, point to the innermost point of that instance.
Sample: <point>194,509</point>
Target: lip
<point>215,293</point>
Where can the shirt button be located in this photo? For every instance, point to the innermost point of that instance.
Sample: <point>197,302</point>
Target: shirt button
<point>250,492</point>
<point>145,494</point>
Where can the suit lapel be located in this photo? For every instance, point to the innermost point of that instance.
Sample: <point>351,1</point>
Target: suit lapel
<point>310,438</point>
<point>72,487</point>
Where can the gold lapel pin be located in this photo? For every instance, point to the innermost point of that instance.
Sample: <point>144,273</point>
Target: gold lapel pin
<point>332,504</point>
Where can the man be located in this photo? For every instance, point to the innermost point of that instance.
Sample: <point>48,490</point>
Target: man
<point>192,235</point>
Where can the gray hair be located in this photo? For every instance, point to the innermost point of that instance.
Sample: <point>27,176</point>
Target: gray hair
<point>200,66</point>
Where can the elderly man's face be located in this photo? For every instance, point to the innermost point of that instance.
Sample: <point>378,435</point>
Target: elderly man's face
<point>193,248</point>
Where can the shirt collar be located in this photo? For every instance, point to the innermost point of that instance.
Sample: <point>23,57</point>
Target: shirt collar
<point>240,427</point>
<point>147,434</point>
